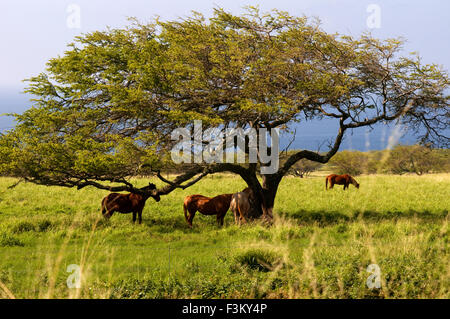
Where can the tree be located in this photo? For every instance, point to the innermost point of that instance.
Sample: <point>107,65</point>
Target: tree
<point>350,162</point>
<point>105,109</point>
<point>417,159</point>
<point>304,167</point>
<point>375,160</point>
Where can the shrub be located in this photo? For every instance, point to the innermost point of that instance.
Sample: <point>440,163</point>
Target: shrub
<point>44,225</point>
<point>304,167</point>
<point>22,227</point>
<point>349,162</point>
<point>416,159</point>
<point>7,240</point>
<point>374,161</point>
<point>258,259</point>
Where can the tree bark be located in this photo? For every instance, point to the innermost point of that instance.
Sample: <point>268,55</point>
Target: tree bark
<point>263,198</point>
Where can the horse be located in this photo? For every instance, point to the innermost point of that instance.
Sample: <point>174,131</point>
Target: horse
<point>128,203</point>
<point>345,180</point>
<point>218,206</point>
<point>240,205</point>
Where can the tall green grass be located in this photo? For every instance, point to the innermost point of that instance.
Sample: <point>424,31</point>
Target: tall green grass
<point>319,245</point>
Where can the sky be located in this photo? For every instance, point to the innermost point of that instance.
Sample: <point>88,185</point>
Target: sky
<point>33,31</point>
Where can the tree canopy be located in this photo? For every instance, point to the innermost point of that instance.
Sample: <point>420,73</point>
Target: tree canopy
<point>105,109</point>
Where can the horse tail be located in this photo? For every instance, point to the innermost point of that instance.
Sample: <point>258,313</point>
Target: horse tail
<point>241,215</point>
<point>326,183</point>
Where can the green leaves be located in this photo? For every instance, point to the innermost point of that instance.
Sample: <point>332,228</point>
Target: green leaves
<point>109,103</point>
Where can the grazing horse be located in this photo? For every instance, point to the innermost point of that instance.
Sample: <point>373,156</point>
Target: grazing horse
<point>128,203</point>
<point>240,205</point>
<point>345,180</point>
<point>218,206</point>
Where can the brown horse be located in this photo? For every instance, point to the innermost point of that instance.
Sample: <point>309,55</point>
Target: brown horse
<point>218,206</point>
<point>128,203</point>
<point>345,180</point>
<point>241,204</point>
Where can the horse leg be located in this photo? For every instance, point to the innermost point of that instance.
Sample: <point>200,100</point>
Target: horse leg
<point>220,216</point>
<point>134,217</point>
<point>236,217</point>
<point>242,220</point>
<point>191,217</point>
<point>140,216</point>
<point>220,219</point>
<point>187,216</point>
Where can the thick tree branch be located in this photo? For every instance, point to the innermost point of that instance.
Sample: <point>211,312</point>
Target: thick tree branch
<point>313,156</point>
<point>202,171</point>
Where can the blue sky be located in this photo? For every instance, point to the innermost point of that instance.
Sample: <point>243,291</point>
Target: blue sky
<point>31,32</point>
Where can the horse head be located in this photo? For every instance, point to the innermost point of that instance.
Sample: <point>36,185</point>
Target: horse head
<point>153,191</point>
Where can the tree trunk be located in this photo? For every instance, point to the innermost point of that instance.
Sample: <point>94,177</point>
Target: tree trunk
<point>263,199</point>
<point>270,188</point>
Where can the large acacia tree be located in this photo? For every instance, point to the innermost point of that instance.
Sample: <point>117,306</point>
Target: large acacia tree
<point>105,109</point>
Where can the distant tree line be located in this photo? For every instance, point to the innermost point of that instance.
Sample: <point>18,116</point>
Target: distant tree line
<point>401,159</point>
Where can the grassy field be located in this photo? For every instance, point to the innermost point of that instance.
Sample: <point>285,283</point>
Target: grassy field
<point>319,246</point>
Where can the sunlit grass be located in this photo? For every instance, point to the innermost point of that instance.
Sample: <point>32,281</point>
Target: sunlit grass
<point>318,247</point>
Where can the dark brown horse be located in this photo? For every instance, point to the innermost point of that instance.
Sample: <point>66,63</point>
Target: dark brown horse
<point>218,206</point>
<point>345,180</point>
<point>128,203</point>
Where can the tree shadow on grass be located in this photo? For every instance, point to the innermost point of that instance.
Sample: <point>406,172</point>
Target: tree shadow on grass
<point>325,218</point>
<point>171,224</point>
